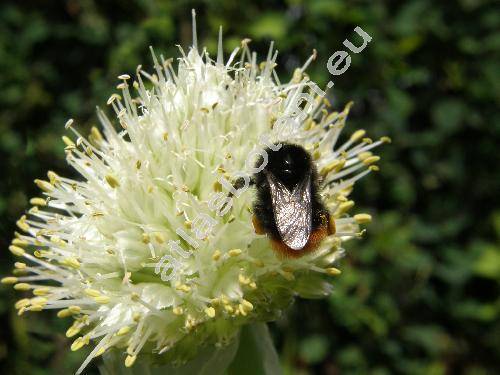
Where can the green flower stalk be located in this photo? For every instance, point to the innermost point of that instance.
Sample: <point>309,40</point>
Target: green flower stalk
<point>145,252</point>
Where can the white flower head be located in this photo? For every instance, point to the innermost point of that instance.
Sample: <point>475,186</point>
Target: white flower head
<point>145,251</point>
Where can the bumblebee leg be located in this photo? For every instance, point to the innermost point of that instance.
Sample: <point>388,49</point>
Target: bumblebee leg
<point>257,226</point>
<point>331,225</point>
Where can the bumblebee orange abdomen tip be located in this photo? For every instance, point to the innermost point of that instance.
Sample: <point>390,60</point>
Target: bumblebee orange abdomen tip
<point>315,239</point>
<point>312,244</point>
<point>284,251</point>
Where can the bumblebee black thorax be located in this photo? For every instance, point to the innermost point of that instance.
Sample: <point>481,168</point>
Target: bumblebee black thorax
<point>289,166</point>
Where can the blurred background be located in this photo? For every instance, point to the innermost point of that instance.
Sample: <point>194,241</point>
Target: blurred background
<point>420,293</point>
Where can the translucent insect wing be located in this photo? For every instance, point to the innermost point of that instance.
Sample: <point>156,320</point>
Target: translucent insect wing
<point>292,211</point>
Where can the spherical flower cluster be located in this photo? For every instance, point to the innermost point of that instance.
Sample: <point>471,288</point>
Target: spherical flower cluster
<point>147,251</point>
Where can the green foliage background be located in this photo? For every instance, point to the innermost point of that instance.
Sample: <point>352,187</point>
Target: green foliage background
<point>420,293</point>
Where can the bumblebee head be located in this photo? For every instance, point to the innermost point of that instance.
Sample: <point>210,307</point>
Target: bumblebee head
<point>290,164</point>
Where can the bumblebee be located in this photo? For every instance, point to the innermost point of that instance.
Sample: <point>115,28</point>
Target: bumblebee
<point>288,207</point>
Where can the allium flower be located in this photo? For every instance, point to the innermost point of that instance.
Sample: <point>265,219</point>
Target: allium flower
<point>135,252</point>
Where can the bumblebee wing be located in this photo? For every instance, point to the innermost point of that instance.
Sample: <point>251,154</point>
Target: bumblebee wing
<point>292,211</point>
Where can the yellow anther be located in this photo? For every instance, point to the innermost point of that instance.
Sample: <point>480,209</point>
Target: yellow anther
<point>357,135</point>
<point>178,310</point>
<point>73,331</point>
<point>229,308</point>
<point>44,185</point>
<point>288,276</point>
<point>216,255</point>
<point>22,303</point>
<point>309,124</point>
<point>241,310</point>
<point>22,224</point>
<point>39,301</point>
<point>362,218</point>
<point>243,279</point>
<point>40,253</point>
<point>210,311</point>
<point>64,313</point>
<point>92,292</point>
<point>190,322</point>
<point>183,287</point>
<point>77,344</point>
<point>102,299</point>
<point>19,242</point>
<point>130,360</point>
<point>53,177</point>
<point>234,252</point>
<point>22,287</point>
<point>136,316</point>
<point>247,305</point>
<point>341,198</point>
<point>83,319</point>
<point>371,160</point>
<point>332,271</point>
<point>159,237</point>
<point>57,240</point>
<point>35,308</point>
<point>386,139</point>
<point>38,201</point>
<point>68,142</point>
<point>253,285</point>
<point>112,181</point>
<point>145,238</point>
<point>123,331</point>
<point>71,262</point>
<point>124,76</point>
<point>9,280</point>
<point>42,291</point>
<point>75,309</point>
<point>373,168</point>
<point>344,207</point>
<point>364,155</point>
<point>334,166</point>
